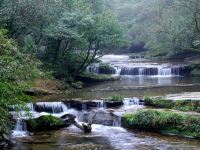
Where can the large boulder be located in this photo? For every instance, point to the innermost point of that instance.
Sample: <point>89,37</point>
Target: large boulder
<point>81,105</point>
<point>110,104</point>
<point>49,122</point>
<point>100,116</point>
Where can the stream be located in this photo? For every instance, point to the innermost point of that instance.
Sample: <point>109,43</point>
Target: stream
<point>138,78</point>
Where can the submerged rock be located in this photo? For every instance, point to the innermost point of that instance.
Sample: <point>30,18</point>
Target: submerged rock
<point>85,146</point>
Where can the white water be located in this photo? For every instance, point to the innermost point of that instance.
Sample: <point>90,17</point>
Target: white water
<point>123,65</point>
<point>58,109</point>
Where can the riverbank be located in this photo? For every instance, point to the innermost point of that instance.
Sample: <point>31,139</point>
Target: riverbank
<point>165,122</point>
<point>178,116</point>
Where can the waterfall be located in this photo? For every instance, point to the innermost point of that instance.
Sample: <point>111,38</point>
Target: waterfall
<point>20,128</point>
<point>146,71</point>
<point>50,107</point>
<point>131,101</point>
<point>117,121</point>
<point>123,65</point>
<point>58,109</point>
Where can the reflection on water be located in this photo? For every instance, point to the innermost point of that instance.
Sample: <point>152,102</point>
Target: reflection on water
<point>137,87</point>
<point>105,138</point>
<point>116,138</point>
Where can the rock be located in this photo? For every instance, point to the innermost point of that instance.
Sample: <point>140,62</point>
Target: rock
<point>100,116</point>
<point>38,92</point>
<point>44,123</point>
<point>110,104</point>
<point>68,119</point>
<point>80,104</point>
<point>76,104</point>
<point>6,138</point>
<point>86,127</point>
<point>85,147</point>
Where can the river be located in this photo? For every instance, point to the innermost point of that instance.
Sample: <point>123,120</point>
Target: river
<point>138,78</point>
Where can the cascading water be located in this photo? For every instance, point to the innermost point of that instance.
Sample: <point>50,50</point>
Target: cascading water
<point>20,128</point>
<point>50,107</point>
<point>58,109</point>
<point>123,65</point>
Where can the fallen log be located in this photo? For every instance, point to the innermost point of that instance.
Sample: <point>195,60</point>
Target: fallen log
<point>69,119</point>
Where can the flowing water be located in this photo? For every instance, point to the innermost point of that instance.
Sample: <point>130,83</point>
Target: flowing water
<point>102,137</point>
<point>138,78</point>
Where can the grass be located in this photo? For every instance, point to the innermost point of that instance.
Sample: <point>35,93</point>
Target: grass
<point>115,98</point>
<point>169,122</point>
<point>182,105</point>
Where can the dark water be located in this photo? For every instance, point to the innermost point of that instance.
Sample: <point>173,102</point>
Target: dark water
<point>133,87</point>
<point>104,138</point>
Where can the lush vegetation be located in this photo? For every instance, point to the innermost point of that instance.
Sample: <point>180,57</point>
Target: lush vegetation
<point>116,98</point>
<point>16,69</point>
<point>44,123</point>
<point>60,38</point>
<point>90,77</point>
<point>166,27</point>
<point>66,36</point>
<point>106,69</point>
<point>164,121</point>
<point>182,105</point>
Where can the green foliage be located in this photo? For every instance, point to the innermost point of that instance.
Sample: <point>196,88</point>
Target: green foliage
<point>116,98</point>
<point>167,121</point>
<point>29,45</point>
<point>77,85</point>
<point>166,27</point>
<point>106,69</point>
<point>16,69</point>
<point>90,77</point>
<point>6,123</point>
<point>44,123</point>
<point>182,105</point>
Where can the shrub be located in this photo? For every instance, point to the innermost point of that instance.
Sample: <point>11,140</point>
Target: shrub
<point>44,123</point>
<point>157,120</point>
<point>116,98</point>
<point>106,69</point>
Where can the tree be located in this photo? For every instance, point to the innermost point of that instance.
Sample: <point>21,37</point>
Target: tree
<point>16,69</point>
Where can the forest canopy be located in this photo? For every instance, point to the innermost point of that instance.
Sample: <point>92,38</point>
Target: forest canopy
<point>166,27</point>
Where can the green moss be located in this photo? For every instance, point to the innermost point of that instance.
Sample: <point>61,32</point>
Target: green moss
<point>195,72</point>
<point>116,98</point>
<point>44,123</point>
<point>159,102</point>
<point>91,77</point>
<point>106,69</point>
<point>77,85</point>
<point>164,121</point>
<point>182,105</point>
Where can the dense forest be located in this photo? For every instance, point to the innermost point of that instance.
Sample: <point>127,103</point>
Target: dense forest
<point>50,39</point>
<point>166,27</point>
<point>59,39</point>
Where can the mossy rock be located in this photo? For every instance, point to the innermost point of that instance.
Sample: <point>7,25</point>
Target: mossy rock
<point>77,85</point>
<point>43,123</point>
<point>88,77</point>
<point>158,102</point>
<point>113,101</point>
<point>182,105</point>
<point>106,69</point>
<point>181,124</point>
